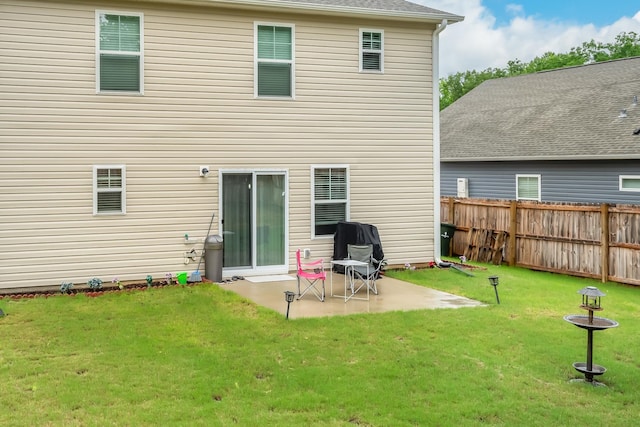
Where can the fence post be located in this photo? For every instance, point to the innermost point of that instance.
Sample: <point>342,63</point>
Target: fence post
<point>452,208</point>
<point>513,228</point>
<point>604,244</point>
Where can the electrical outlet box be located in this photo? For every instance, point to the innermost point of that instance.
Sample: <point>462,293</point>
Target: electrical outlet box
<point>462,185</point>
<point>307,253</point>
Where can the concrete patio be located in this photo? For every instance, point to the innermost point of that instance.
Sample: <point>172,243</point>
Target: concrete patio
<point>393,295</point>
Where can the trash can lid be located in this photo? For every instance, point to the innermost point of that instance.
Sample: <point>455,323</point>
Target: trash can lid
<point>213,241</point>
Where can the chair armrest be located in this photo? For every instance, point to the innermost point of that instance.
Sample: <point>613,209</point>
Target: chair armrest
<point>313,264</point>
<point>379,262</point>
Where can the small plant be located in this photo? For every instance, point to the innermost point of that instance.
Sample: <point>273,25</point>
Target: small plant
<point>65,287</point>
<point>116,281</point>
<point>408,266</point>
<point>149,280</point>
<point>169,278</point>
<point>95,283</point>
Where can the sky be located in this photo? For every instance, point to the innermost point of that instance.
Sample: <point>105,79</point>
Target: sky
<point>497,31</point>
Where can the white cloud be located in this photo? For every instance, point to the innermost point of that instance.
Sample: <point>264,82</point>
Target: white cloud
<point>515,9</point>
<point>477,43</point>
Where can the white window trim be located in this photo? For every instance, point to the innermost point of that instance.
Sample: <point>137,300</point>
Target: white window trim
<point>361,51</point>
<point>539,178</point>
<point>292,61</point>
<point>313,197</point>
<point>123,189</point>
<point>140,54</point>
<point>623,178</point>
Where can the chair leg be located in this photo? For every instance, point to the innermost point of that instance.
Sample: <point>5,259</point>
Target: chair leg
<point>312,287</point>
<point>372,285</point>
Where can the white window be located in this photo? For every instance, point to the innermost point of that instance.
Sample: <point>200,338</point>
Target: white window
<point>119,52</point>
<point>629,183</point>
<point>371,50</point>
<point>274,60</point>
<point>330,198</point>
<point>528,187</point>
<point>109,189</point>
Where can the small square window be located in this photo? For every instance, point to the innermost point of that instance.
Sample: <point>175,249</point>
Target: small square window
<point>109,190</point>
<point>371,50</point>
<point>629,183</point>
<point>528,187</point>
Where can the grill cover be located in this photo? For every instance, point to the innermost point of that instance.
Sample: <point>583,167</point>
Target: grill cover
<point>355,233</point>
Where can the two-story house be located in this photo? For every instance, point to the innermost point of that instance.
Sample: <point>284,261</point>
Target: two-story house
<point>126,126</point>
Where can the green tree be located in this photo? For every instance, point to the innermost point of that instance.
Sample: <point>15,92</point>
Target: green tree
<point>626,45</point>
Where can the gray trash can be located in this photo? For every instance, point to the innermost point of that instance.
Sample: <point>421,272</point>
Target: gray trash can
<point>213,258</point>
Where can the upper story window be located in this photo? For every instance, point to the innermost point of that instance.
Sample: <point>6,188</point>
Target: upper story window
<point>109,189</point>
<point>528,187</point>
<point>274,60</point>
<point>629,183</point>
<point>119,52</point>
<point>371,50</point>
<point>330,199</point>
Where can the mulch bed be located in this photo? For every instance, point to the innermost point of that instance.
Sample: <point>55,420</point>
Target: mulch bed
<point>106,288</point>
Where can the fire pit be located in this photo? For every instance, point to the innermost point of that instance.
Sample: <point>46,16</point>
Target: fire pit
<point>590,302</point>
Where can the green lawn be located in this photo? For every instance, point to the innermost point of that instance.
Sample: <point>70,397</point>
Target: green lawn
<point>201,355</point>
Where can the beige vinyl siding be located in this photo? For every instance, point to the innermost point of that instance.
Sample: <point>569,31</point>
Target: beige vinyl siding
<point>198,109</point>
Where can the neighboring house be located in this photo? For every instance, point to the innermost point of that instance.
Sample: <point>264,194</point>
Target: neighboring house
<point>567,135</point>
<point>303,113</point>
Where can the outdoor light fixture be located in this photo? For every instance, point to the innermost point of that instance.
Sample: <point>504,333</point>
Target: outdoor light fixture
<point>289,296</point>
<point>493,280</point>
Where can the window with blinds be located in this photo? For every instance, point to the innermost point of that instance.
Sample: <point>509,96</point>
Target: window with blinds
<point>119,58</point>
<point>274,47</point>
<point>629,183</point>
<point>371,50</point>
<point>330,197</point>
<point>528,187</point>
<point>109,190</point>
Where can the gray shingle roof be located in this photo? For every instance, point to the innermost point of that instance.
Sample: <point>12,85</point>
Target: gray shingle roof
<point>388,5</point>
<point>382,8</point>
<point>569,113</point>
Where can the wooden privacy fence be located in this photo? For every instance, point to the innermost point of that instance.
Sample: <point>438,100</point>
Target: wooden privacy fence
<point>597,241</point>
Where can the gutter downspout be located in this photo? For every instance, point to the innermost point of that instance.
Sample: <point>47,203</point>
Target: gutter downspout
<point>436,143</point>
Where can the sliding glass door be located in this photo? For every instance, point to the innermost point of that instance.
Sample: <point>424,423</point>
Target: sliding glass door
<point>254,221</point>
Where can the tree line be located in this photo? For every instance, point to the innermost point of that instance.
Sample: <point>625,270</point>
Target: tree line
<point>625,45</point>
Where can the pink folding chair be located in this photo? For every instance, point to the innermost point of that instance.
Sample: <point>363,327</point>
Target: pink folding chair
<point>310,274</point>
